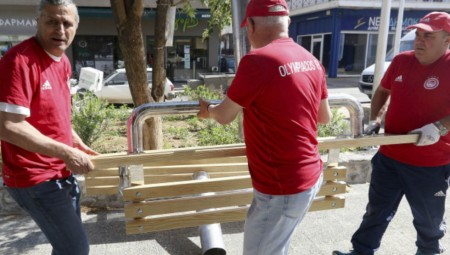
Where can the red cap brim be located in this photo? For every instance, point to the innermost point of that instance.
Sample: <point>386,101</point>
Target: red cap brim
<point>425,27</point>
<point>244,22</point>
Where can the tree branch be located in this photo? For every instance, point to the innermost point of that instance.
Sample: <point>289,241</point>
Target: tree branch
<point>137,7</point>
<point>119,9</point>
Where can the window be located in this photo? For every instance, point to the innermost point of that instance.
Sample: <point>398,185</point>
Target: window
<point>98,52</point>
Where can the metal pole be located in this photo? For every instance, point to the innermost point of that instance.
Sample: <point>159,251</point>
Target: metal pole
<point>353,106</point>
<point>210,234</point>
<point>240,42</point>
<point>399,27</point>
<point>193,69</point>
<point>382,44</point>
<point>239,34</point>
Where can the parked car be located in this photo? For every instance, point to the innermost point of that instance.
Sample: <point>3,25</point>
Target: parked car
<point>114,88</point>
<point>367,75</point>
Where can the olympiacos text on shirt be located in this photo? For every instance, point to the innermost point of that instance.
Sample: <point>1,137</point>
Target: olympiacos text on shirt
<point>299,66</point>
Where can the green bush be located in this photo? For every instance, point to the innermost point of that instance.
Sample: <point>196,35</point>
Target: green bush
<point>337,126</point>
<point>216,134</point>
<point>91,117</point>
<point>211,133</point>
<point>202,92</point>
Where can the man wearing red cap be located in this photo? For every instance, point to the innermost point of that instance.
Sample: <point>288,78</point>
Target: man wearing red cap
<point>282,90</point>
<point>418,84</point>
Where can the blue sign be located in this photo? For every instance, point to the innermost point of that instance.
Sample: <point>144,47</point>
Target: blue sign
<point>372,23</point>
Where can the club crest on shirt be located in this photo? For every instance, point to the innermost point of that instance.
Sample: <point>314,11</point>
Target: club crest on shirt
<point>431,83</point>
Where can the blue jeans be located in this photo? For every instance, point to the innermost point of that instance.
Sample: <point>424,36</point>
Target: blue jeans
<point>271,220</point>
<point>425,188</point>
<point>55,207</point>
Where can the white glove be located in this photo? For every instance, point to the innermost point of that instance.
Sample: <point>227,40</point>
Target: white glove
<point>372,128</point>
<point>429,134</point>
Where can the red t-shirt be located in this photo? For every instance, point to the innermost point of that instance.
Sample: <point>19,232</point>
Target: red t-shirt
<point>280,87</point>
<point>34,81</point>
<point>419,95</point>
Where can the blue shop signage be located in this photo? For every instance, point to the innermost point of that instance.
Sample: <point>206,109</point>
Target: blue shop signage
<point>372,23</point>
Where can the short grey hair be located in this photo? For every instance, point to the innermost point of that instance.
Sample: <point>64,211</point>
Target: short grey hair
<point>43,3</point>
<point>274,21</point>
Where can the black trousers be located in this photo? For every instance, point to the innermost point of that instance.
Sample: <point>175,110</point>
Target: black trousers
<point>425,189</point>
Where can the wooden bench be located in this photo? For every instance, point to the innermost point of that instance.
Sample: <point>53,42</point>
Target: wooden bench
<point>169,198</point>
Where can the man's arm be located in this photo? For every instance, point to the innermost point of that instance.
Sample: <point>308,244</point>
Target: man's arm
<point>377,109</point>
<point>377,106</point>
<point>223,113</point>
<point>324,112</point>
<point>15,130</point>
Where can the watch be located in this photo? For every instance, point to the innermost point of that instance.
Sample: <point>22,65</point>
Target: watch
<point>442,129</point>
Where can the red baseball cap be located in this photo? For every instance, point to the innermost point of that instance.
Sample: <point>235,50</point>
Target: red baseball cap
<point>261,8</point>
<point>433,22</point>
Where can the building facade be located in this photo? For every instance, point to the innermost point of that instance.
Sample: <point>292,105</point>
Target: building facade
<point>343,34</point>
<point>95,44</point>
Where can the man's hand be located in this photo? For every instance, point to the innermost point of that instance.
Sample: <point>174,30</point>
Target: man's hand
<point>78,161</point>
<point>372,128</point>
<point>204,112</point>
<point>429,134</point>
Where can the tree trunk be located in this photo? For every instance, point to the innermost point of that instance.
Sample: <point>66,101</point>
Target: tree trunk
<point>159,72</point>
<point>128,16</point>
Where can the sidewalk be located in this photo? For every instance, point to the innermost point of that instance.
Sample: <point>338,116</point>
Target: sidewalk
<point>320,233</point>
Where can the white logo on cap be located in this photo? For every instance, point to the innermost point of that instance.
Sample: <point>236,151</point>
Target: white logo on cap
<point>277,8</point>
<point>431,83</point>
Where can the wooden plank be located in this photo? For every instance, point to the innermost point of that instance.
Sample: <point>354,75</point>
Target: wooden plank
<point>186,188</point>
<point>105,177</point>
<point>166,206</point>
<point>209,152</point>
<point>238,159</point>
<point>186,220</point>
<point>169,155</point>
<point>182,188</point>
<point>181,169</point>
<point>327,203</point>
<point>335,173</point>
<point>103,172</point>
<point>99,181</point>
<point>102,190</point>
<point>384,139</point>
<point>164,151</point>
<point>193,219</point>
<point>332,188</point>
<point>151,179</point>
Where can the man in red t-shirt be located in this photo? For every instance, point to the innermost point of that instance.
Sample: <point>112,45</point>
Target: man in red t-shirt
<point>282,91</point>
<point>39,148</point>
<point>418,84</point>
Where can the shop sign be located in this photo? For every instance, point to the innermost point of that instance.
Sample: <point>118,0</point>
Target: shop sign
<point>17,22</point>
<point>185,23</point>
<point>10,25</point>
<point>372,23</point>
